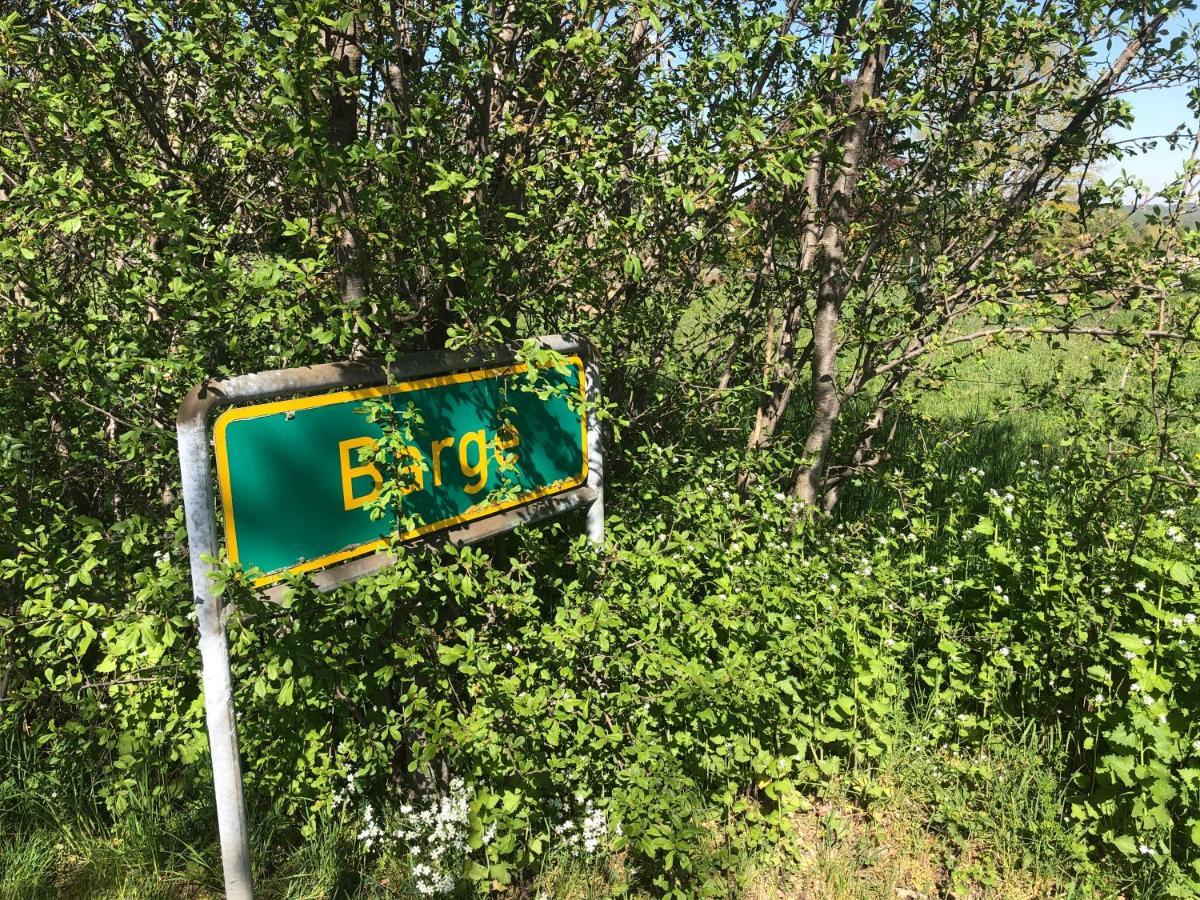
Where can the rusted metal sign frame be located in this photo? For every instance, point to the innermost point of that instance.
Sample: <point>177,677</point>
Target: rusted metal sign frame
<point>199,500</point>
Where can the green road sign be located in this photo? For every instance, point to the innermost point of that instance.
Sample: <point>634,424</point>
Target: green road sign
<point>297,481</point>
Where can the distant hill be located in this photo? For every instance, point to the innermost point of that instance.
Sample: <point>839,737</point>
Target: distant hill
<point>1190,216</point>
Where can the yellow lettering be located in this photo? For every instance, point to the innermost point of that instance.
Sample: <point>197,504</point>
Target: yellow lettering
<point>438,447</point>
<point>362,470</point>
<point>480,468</point>
<point>506,439</point>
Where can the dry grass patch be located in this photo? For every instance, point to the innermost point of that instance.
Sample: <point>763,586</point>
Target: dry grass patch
<point>840,851</point>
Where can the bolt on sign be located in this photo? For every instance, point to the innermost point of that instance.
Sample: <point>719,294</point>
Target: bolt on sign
<point>317,470</point>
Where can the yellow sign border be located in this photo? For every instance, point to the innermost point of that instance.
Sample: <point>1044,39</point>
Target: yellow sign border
<point>238,413</point>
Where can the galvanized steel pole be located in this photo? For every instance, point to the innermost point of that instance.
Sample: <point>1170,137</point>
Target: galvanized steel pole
<point>595,480</point>
<point>214,654</point>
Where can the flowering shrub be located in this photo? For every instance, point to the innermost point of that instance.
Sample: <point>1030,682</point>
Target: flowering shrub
<point>436,839</point>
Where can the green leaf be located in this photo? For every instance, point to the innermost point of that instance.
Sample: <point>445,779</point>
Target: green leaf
<point>1126,845</point>
<point>448,654</point>
<point>1181,573</point>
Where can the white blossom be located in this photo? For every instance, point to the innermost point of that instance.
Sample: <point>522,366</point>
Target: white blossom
<point>595,829</point>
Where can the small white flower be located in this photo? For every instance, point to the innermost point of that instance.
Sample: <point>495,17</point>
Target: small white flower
<point>1008,510</point>
<point>1146,641</point>
<point>890,642</point>
<point>1129,654</point>
<point>1162,720</point>
<point>1135,687</point>
<point>1140,586</point>
<point>1107,589</point>
<point>1099,698</point>
<point>1177,622</point>
<point>1190,618</point>
<point>1146,851</point>
<point>1147,700</point>
<point>998,589</point>
<point>1004,651</point>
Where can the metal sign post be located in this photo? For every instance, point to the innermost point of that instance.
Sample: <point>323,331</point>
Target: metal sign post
<point>545,451</point>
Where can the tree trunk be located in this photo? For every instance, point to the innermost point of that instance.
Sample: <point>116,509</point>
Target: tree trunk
<point>344,48</point>
<point>780,362</point>
<point>826,398</point>
<point>780,366</point>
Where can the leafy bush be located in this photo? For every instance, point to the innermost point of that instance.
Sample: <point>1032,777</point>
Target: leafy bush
<point>722,657</point>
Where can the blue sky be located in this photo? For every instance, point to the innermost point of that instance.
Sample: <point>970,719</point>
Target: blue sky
<point>1156,112</point>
